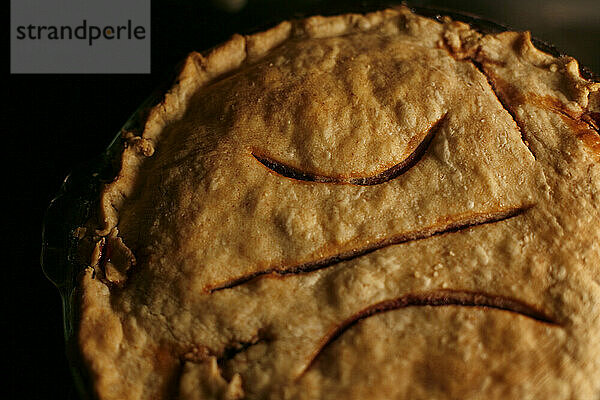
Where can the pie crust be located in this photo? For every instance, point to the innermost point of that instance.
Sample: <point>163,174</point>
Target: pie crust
<point>360,206</point>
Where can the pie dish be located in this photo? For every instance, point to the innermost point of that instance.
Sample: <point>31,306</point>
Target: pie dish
<point>360,206</point>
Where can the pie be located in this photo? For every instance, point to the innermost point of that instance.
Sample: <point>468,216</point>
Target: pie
<point>378,206</point>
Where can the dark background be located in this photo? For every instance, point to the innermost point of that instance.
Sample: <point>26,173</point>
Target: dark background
<point>57,122</point>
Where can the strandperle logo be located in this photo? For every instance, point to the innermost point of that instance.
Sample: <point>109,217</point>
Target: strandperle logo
<point>80,36</point>
<point>84,31</point>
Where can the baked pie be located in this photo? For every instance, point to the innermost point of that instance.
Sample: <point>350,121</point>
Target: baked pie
<point>366,206</point>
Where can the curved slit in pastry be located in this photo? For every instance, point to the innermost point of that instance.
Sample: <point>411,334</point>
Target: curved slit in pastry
<point>472,221</point>
<point>387,175</point>
<point>436,298</point>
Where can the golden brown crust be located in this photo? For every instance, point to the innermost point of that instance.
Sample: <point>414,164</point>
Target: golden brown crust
<point>261,251</point>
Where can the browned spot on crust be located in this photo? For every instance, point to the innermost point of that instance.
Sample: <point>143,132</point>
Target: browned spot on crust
<point>583,125</point>
<point>443,225</point>
<point>436,298</point>
<point>584,132</point>
<point>551,103</point>
<point>391,173</point>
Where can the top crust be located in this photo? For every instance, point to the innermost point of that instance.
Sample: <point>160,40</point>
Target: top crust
<point>353,199</point>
